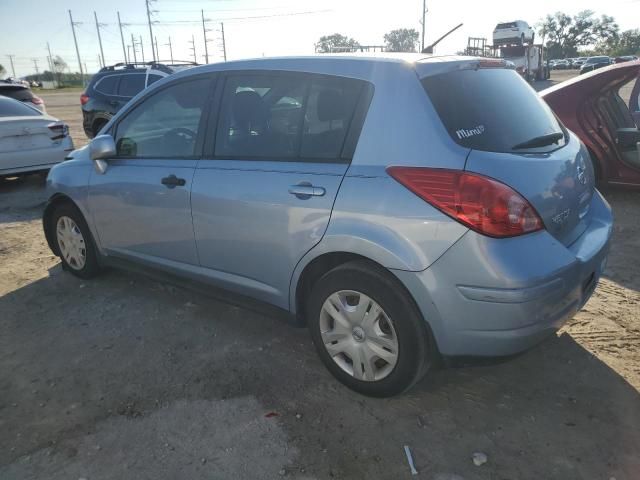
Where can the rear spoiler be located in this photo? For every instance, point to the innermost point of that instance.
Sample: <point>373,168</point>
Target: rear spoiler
<point>438,65</point>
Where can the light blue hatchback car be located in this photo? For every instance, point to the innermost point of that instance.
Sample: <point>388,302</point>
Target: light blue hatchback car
<point>402,208</point>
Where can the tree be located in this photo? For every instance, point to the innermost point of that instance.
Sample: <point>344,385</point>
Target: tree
<point>402,40</point>
<point>627,43</point>
<point>59,66</point>
<point>564,34</point>
<point>2,70</point>
<point>336,42</point>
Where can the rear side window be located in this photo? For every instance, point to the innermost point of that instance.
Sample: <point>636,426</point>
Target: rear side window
<point>107,85</point>
<point>153,79</point>
<point>492,109</point>
<point>21,94</point>
<point>131,84</point>
<point>9,108</point>
<point>286,117</point>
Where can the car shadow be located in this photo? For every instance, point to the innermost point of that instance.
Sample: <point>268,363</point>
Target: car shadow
<point>76,353</point>
<point>22,198</point>
<point>623,264</point>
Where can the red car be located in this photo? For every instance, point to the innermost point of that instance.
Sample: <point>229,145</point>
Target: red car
<point>602,108</point>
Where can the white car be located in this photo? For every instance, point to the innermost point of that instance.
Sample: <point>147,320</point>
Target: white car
<point>30,140</point>
<point>516,32</point>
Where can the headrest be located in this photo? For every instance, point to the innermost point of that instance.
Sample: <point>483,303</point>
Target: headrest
<point>330,105</point>
<point>248,106</point>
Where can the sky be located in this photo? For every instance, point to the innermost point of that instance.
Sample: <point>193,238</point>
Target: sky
<point>255,28</point>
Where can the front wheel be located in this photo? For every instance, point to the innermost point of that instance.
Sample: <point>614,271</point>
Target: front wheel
<point>368,331</point>
<point>74,242</point>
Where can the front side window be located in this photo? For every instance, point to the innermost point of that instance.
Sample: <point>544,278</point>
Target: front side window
<point>166,124</point>
<point>285,117</point>
<point>131,84</point>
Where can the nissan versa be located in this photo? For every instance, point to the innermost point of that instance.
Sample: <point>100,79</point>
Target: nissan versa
<point>403,208</point>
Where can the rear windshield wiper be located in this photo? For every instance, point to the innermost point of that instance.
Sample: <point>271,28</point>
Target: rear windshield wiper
<point>541,141</point>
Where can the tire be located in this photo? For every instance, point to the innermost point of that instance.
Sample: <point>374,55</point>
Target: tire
<point>97,126</point>
<point>69,244</point>
<point>399,321</point>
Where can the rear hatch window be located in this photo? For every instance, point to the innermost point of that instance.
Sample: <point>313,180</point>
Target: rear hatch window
<point>18,93</point>
<point>494,110</point>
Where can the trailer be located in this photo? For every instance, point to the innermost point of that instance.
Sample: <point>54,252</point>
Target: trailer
<point>528,60</point>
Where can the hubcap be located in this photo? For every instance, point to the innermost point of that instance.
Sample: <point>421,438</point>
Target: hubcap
<point>358,335</point>
<point>71,243</point>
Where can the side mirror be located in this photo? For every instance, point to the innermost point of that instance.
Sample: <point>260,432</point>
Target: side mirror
<point>101,148</point>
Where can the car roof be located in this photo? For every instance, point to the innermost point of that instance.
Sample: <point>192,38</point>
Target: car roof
<point>357,65</point>
<point>17,86</point>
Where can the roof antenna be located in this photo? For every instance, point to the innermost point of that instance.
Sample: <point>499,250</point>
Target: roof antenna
<point>429,49</point>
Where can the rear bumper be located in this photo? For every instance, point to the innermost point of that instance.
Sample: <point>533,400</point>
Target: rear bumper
<point>494,297</point>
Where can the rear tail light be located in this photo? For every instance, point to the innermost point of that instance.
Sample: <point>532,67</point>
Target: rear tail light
<point>36,100</point>
<point>58,130</point>
<point>478,202</point>
<point>84,99</point>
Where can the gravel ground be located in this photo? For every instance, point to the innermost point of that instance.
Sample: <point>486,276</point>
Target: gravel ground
<point>130,378</point>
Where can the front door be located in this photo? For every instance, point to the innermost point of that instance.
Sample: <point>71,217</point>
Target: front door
<point>141,204</point>
<point>263,196</point>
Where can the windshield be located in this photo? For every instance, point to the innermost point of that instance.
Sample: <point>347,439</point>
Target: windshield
<point>597,59</point>
<point>493,110</point>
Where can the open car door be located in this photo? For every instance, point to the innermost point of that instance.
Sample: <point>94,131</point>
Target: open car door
<point>600,107</point>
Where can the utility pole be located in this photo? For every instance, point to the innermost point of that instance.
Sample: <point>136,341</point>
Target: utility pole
<point>224,45</point>
<point>170,49</point>
<point>35,64</point>
<point>133,47</point>
<point>193,48</point>
<point>204,34</point>
<point>124,52</point>
<point>12,68</point>
<point>75,40</point>
<point>424,15</point>
<point>142,47</point>
<point>50,57</point>
<point>155,41</point>
<point>153,54</point>
<point>98,25</point>
<point>128,53</point>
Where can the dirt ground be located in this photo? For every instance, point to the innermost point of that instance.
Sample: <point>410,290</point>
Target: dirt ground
<point>124,377</point>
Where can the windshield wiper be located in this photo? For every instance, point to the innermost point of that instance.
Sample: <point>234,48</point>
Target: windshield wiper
<point>541,141</point>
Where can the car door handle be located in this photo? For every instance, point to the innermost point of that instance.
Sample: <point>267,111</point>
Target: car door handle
<point>172,181</point>
<point>306,190</point>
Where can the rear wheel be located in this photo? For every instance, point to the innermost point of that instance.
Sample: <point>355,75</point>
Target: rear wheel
<point>367,330</point>
<point>74,242</point>
<point>97,126</point>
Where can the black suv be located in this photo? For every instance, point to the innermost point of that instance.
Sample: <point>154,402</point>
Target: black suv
<point>113,86</point>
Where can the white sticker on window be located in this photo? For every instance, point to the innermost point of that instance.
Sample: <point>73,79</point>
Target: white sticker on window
<point>470,132</point>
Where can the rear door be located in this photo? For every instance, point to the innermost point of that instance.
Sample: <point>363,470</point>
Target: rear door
<point>263,196</point>
<point>515,138</point>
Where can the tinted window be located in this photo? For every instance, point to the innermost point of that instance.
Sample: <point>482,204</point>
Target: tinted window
<point>501,26</point>
<point>261,116</point>
<point>18,93</point>
<point>152,79</point>
<point>491,109</point>
<point>165,124</point>
<point>131,84</point>
<point>598,59</point>
<point>11,108</point>
<point>285,116</point>
<point>330,107</point>
<point>108,84</point>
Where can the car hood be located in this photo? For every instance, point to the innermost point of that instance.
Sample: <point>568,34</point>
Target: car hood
<point>592,84</point>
